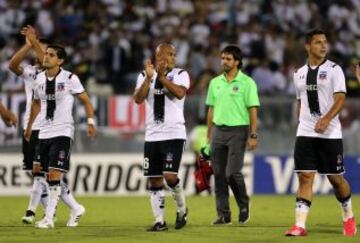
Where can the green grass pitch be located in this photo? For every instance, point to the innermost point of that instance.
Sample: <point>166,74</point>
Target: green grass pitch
<point>124,219</point>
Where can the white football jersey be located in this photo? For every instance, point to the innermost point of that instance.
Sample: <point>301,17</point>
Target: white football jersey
<point>29,77</point>
<point>61,122</point>
<point>315,89</point>
<point>164,112</point>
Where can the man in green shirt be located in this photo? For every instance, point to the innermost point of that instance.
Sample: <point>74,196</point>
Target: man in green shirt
<point>232,125</point>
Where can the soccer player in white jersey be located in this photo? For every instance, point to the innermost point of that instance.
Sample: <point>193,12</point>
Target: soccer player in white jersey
<point>163,88</point>
<point>53,101</point>
<point>7,116</point>
<point>320,92</point>
<point>28,73</point>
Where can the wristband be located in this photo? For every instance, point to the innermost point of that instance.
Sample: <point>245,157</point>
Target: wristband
<point>91,121</point>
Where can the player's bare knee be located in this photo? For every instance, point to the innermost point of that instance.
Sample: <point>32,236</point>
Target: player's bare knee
<point>336,180</point>
<point>54,175</point>
<point>170,179</point>
<point>306,178</point>
<point>156,182</point>
<point>36,168</point>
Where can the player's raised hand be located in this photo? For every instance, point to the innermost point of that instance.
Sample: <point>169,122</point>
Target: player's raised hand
<point>24,31</point>
<point>149,68</point>
<point>30,33</point>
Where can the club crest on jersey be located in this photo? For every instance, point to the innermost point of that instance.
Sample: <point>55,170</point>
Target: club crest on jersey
<point>170,78</point>
<point>60,87</point>
<point>322,75</point>
<point>235,89</point>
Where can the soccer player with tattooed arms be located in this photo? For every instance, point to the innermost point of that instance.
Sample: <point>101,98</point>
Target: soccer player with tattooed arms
<point>320,93</point>
<point>163,88</point>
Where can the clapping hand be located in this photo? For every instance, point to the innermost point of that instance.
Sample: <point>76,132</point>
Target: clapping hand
<point>149,69</point>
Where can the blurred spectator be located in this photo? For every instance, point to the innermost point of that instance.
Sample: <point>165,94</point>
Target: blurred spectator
<point>264,78</point>
<point>109,39</point>
<point>115,61</point>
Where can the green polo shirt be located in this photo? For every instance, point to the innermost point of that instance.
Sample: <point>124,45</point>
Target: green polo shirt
<point>231,100</point>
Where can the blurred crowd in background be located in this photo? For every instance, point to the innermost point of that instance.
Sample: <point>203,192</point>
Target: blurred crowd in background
<point>108,40</point>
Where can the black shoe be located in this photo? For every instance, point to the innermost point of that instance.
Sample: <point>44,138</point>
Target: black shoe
<point>222,220</point>
<point>158,227</point>
<point>244,214</point>
<point>29,213</point>
<point>181,221</point>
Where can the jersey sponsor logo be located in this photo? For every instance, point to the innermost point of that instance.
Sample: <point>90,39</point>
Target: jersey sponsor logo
<point>159,91</point>
<point>50,97</point>
<point>311,87</point>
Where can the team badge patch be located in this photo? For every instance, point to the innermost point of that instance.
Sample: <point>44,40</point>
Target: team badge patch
<point>235,89</point>
<point>60,87</point>
<point>322,75</point>
<point>170,78</point>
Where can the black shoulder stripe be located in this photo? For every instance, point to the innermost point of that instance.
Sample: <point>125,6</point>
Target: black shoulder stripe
<point>334,65</point>
<point>37,72</point>
<point>143,73</point>
<point>70,75</point>
<point>182,70</point>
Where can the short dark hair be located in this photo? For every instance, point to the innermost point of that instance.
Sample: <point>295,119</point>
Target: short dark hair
<point>60,50</point>
<point>309,35</point>
<point>235,51</point>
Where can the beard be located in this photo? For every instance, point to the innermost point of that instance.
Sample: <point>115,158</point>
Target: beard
<point>226,69</point>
